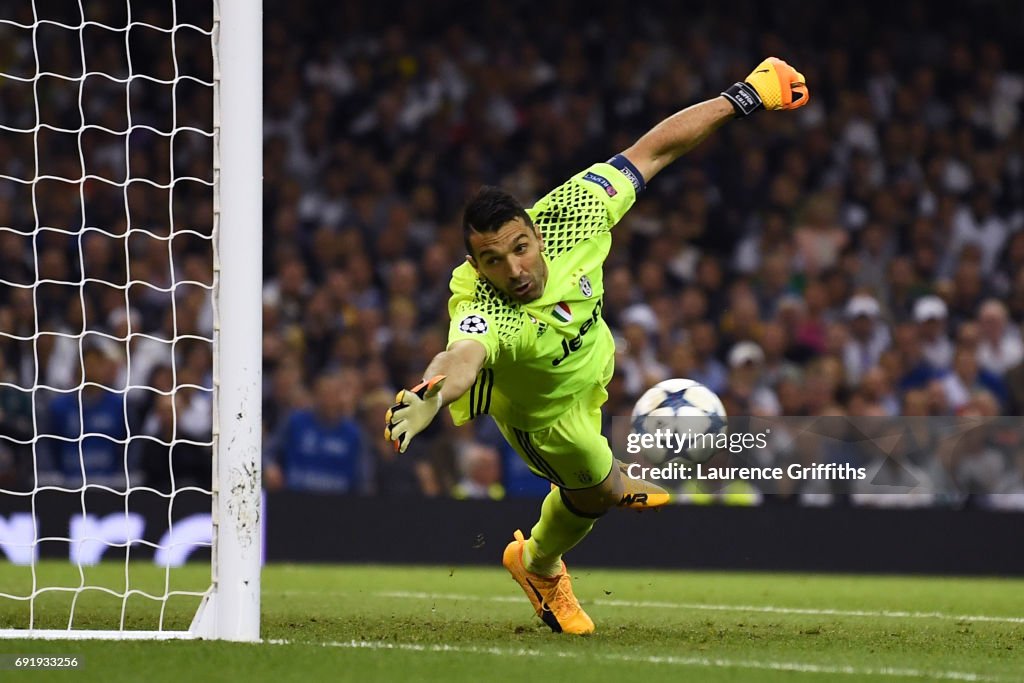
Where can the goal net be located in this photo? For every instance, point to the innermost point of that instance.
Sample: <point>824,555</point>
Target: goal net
<point>130,262</point>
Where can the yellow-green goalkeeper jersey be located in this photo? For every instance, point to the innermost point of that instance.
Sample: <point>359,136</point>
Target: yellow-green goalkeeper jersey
<point>543,355</point>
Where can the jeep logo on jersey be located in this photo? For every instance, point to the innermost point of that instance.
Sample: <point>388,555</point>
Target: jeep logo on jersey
<point>576,343</point>
<point>585,288</point>
<point>473,324</point>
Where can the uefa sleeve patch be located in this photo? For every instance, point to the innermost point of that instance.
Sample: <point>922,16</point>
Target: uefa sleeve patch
<point>473,324</point>
<point>602,181</point>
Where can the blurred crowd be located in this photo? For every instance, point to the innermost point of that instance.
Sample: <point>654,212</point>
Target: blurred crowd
<point>859,257</point>
<point>106,256</point>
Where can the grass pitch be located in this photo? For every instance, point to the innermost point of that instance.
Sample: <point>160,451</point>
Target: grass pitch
<point>469,624</point>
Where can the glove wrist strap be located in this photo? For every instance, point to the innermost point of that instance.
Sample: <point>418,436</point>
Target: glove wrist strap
<point>744,98</point>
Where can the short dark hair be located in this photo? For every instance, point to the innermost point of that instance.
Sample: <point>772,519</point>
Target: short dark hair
<point>488,210</point>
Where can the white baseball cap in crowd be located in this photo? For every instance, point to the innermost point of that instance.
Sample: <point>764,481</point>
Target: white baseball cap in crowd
<point>745,352</point>
<point>929,307</point>
<point>862,304</point>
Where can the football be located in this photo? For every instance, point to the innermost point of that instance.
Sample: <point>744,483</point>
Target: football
<point>679,419</point>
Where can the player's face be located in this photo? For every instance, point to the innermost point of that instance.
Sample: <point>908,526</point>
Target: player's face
<point>510,258</point>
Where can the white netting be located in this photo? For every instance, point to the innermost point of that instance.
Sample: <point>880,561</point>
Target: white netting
<point>106,290</point>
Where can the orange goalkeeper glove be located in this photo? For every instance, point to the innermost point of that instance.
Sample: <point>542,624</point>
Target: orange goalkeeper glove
<point>773,84</point>
<point>413,411</point>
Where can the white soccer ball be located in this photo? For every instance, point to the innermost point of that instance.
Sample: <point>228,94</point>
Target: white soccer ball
<point>679,419</point>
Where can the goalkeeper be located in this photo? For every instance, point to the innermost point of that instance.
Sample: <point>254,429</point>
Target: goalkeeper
<point>528,346</point>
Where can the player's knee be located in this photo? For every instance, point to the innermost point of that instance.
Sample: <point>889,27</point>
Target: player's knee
<point>596,500</point>
<point>588,502</point>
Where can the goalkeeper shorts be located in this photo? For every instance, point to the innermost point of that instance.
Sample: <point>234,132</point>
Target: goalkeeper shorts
<point>571,453</point>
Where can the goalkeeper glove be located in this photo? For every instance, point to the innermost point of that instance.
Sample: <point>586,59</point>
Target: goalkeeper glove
<point>773,84</point>
<point>413,410</point>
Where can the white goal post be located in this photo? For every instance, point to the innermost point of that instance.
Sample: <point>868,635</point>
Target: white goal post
<point>229,608</point>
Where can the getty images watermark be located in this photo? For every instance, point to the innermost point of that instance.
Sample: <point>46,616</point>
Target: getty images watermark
<point>666,443</point>
<point>925,460</point>
<point>704,472</point>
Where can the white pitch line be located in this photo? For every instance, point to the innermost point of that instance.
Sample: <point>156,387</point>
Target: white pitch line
<point>768,609</point>
<point>710,662</point>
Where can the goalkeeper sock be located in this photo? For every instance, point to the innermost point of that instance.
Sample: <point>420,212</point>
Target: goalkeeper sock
<point>558,530</point>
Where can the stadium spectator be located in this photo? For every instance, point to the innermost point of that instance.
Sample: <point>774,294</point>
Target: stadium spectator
<point>709,371</point>
<point>999,346</point>
<point>774,340</point>
<point>978,224</point>
<point>983,467</point>
<point>321,448</point>
<point>911,370</point>
<point>876,389</point>
<point>869,337</point>
<point>637,360</point>
<point>930,315</point>
<point>96,410</point>
<point>16,425</point>
<point>809,317</point>
<point>966,378</point>
<point>1015,390</point>
<point>480,473</point>
<point>819,239</point>
<point>749,391</point>
<point>173,459</point>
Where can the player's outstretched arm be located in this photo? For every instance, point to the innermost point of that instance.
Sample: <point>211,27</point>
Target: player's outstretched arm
<point>772,85</point>
<point>450,374</point>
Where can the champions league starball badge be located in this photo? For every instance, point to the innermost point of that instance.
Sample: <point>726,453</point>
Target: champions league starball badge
<point>473,324</point>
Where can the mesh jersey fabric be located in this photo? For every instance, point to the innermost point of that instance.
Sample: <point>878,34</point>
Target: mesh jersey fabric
<point>543,354</point>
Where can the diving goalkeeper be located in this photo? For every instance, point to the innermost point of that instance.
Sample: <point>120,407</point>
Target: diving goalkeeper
<point>528,346</point>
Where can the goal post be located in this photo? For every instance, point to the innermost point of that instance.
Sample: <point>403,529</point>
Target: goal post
<point>238,311</point>
<point>147,184</point>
